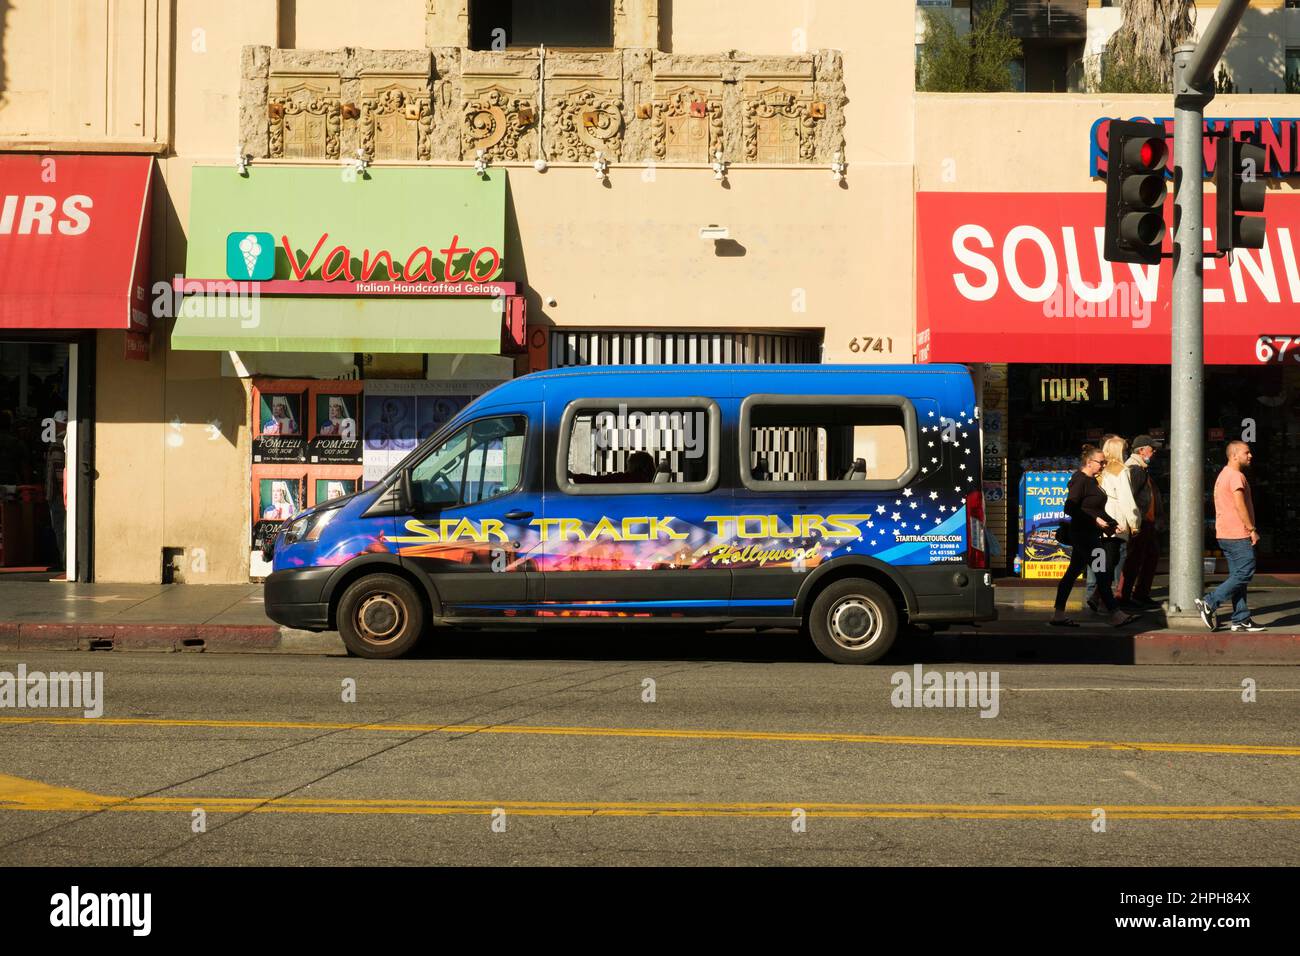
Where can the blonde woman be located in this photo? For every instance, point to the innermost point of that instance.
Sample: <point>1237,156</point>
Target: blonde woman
<point>1121,506</point>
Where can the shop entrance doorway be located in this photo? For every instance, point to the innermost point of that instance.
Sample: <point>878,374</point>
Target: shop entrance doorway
<point>38,453</point>
<point>1055,409</point>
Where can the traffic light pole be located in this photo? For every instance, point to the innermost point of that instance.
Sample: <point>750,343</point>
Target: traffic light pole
<point>1193,90</point>
<point>1187,359</point>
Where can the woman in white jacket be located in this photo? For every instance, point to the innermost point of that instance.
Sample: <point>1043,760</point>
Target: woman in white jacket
<point>1120,505</point>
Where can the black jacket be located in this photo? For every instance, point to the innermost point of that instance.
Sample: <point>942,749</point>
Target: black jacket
<point>1084,502</point>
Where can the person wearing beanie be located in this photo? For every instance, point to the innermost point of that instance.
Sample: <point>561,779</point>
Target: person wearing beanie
<point>1139,568</point>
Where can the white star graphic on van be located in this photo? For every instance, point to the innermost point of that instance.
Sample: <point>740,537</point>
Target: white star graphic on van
<point>969,478</point>
<point>924,515</point>
<point>968,451</point>
<point>873,542</point>
<point>943,507</point>
<point>938,520</point>
<point>880,509</point>
<point>932,414</point>
<point>957,488</point>
<point>934,495</point>
<point>962,467</point>
<point>895,516</point>
<point>898,501</point>
<point>925,471</point>
<point>907,492</point>
<point>934,461</point>
<point>911,504</point>
<point>871,524</point>
<point>916,527</point>
<point>931,444</point>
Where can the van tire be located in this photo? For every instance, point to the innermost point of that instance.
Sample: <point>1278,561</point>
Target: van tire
<point>380,616</point>
<point>853,621</point>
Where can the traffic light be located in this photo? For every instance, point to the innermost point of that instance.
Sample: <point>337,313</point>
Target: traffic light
<point>1135,192</point>
<point>1239,188</point>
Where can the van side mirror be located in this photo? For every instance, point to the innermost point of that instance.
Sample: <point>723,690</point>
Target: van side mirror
<point>405,496</point>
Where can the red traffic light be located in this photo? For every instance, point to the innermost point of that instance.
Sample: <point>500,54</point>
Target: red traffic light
<point>1145,154</point>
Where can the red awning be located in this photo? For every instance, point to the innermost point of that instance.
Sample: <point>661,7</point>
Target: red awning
<point>74,241</point>
<point>1019,277</point>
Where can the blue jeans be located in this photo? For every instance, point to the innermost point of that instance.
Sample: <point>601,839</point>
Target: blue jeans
<point>1090,587</point>
<point>1241,568</point>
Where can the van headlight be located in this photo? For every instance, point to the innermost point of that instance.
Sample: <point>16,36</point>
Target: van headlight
<point>309,527</point>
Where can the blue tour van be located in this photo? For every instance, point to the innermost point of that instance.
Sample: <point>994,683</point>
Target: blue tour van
<point>844,500</point>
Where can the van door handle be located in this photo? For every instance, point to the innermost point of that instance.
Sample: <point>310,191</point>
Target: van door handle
<point>518,515</point>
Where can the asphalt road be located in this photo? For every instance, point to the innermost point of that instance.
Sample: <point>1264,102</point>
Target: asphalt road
<point>749,753</point>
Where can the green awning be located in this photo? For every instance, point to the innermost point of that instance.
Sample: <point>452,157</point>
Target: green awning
<point>396,209</point>
<point>335,324</point>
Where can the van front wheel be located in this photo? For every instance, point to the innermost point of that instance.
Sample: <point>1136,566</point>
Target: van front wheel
<point>380,616</point>
<point>853,621</point>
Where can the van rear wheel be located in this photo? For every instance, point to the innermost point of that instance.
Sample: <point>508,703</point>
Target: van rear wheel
<point>380,616</point>
<point>853,621</point>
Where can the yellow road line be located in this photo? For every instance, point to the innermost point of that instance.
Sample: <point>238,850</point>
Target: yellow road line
<point>1276,750</point>
<point>17,793</point>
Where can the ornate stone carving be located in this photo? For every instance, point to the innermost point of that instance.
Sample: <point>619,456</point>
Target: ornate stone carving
<point>304,116</point>
<point>582,122</point>
<point>498,120</point>
<point>396,118</point>
<point>687,124</point>
<point>780,126</point>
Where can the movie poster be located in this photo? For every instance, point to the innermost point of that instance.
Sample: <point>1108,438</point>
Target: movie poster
<point>327,489</point>
<point>276,499</point>
<point>278,425</point>
<point>336,437</point>
<point>401,414</point>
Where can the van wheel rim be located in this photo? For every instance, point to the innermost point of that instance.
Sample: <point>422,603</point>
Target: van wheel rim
<point>855,623</point>
<point>381,618</point>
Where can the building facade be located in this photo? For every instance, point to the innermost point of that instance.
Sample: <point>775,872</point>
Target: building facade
<point>658,181</point>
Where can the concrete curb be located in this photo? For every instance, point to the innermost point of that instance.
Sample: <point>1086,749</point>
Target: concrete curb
<point>1146,647</point>
<point>1218,647</point>
<point>192,638</point>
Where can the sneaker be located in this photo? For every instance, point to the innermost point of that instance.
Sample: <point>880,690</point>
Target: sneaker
<point>1248,625</point>
<point>1208,614</point>
<point>1094,605</point>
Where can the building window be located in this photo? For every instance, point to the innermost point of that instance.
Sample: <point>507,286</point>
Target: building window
<point>494,24</point>
<point>1293,68</point>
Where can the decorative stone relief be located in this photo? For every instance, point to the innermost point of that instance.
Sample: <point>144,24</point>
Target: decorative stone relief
<point>687,121</point>
<point>500,121</point>
<point>396,117</point>
<point>304,115</point>
<point>780,124</point>
<point>583,121</point>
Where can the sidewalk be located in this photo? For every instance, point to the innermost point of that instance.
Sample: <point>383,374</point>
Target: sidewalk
<point>190,617</point>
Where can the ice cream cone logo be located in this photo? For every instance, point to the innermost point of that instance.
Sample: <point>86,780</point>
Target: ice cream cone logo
<point>250,255</point>
<point>252,251</point>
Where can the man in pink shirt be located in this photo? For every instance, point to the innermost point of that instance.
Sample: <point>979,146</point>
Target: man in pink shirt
<point>1234,526</point>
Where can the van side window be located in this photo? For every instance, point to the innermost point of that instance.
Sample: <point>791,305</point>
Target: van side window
<point>613,446</point>
<point>482,460</point>
<point>806,443</point>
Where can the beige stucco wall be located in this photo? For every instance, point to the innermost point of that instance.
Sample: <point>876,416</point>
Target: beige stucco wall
<point>817,255</point>
<point>964,142</point>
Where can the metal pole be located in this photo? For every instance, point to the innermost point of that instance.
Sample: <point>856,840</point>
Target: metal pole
<point>1200,69</point>
<point>1187,359</point>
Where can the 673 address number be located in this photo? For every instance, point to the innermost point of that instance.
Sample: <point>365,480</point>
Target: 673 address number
<point>1274,348</point>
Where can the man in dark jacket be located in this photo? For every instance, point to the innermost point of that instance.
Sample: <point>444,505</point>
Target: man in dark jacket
<point>1143,547</point>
